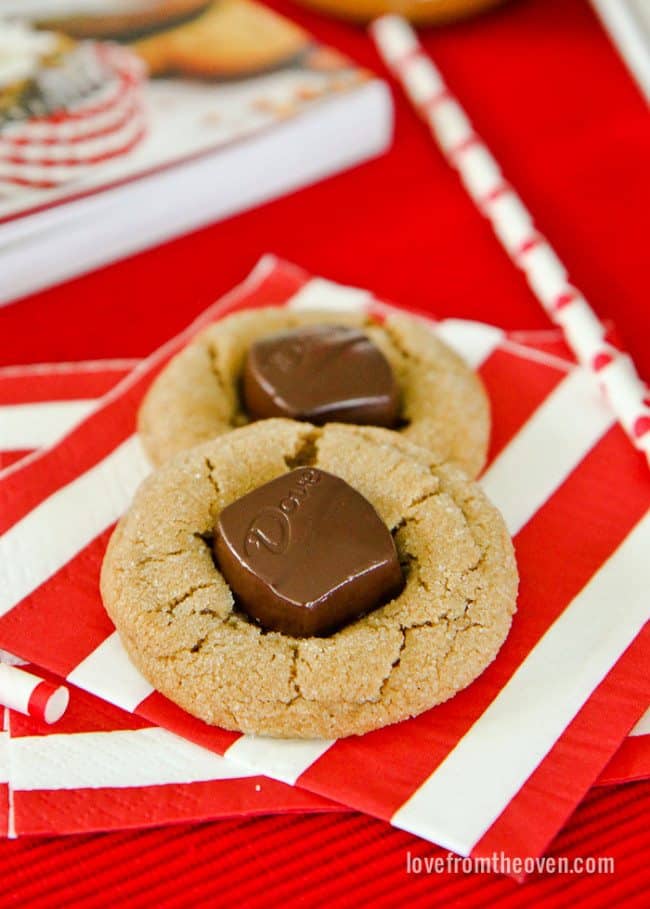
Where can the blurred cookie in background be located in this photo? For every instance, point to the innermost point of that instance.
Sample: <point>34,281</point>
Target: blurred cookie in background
<point>230,38</point>
<point>419,11</point>
<point>115,19</point>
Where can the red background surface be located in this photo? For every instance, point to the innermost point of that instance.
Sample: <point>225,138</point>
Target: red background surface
<point>571,131</point>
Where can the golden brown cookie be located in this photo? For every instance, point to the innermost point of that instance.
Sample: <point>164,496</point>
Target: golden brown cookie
<point>231,38</point>
<point>180,625</point>
<point>121,21</point>
<point>444,406</point>
<point>424,11</point>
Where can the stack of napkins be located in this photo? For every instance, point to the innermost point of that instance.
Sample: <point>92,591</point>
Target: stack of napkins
<point>500,766</point>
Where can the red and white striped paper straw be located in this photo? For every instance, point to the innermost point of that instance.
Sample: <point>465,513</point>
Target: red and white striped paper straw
<point>514,226</point>
<point>29,694</point>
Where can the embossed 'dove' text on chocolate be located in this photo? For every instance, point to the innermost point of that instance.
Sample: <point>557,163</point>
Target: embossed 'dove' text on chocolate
<point>306,553</point>
<point>320,373</point>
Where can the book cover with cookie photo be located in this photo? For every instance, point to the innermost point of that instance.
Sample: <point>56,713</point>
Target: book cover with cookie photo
<point>123,124</point>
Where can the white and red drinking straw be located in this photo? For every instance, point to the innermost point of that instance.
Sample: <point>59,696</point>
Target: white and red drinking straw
<point>513,224</point>
<point>29,694</point>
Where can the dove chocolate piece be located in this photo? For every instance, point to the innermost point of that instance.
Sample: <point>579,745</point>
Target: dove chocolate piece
<point>323,374</point>
<point>306,554</point>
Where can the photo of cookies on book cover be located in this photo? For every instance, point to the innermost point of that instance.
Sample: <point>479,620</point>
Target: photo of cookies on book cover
<point>95,93</point>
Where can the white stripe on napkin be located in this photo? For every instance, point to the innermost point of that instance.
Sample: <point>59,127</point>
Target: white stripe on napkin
<point>547,449</point>
<point>321,294</point>
<point>124,758</point>
<point>473,341</point>
<point>4,747</point>
<point>109,673</point>
<point>62,525</point>
<point>643,726</point>
<point>469,790</point>
<point>28,426</point>
<point>68,367</point>
<point>289,758</point>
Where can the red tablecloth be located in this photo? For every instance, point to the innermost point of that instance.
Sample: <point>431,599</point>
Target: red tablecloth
<point>558,108</point>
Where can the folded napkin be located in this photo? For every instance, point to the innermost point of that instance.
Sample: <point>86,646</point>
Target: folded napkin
<point>100,768</point>
<point>501,765</point>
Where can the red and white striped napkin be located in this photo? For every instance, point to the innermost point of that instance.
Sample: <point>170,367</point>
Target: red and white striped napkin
<point>101,768</point>
<point>40,403</point>
<point>501,765</point>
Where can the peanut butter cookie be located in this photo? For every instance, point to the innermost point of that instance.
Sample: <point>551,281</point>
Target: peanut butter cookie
<point>183,629</point>
<point>443,406</point>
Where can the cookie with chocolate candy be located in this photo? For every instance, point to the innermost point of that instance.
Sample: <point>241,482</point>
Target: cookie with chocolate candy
<point>319,366</point>
<point>298,581</point>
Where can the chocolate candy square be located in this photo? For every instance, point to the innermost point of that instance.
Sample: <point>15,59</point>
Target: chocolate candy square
<point>320,373</point>
<point>306,553</point>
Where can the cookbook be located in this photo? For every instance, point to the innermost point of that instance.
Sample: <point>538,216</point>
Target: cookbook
<point>125,124</point>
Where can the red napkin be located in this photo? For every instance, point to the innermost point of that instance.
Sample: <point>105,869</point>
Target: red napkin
<point>501,765</point>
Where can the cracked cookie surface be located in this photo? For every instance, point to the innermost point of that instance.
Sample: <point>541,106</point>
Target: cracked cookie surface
<point>196,397</point>
<point>180,624</point>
